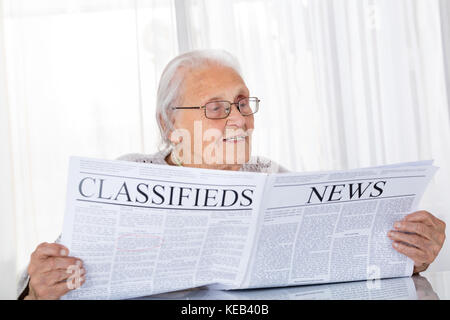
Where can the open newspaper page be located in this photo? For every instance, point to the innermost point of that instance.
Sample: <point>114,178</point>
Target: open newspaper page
<point>386,289</point>
<point>332,226</point>
<point>143,229</point>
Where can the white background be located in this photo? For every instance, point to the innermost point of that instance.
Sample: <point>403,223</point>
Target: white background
<point>343,84</point>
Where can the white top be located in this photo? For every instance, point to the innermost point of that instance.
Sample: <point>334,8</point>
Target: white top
<point>255,164</point>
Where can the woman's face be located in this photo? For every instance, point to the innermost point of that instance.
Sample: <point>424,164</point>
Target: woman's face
<point>204,142</point>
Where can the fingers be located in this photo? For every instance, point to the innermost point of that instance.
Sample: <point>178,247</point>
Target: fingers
<point>417,255</point>
<point>59,263</point>
<point>425,224</point>
<point>52,271</point>
<point>55,276</point>
<point>428,218</point>
<point>45,250</point>
<point>419,236</point>
<point>422,216</point>
<point>412,239</point>
<point>58,289</point>
<point>415,227</point>
<point>62,288</point>
<point>56,282</point>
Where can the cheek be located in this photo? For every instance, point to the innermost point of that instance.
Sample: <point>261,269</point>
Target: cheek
<point>183,121</point>
<point>213,130</point>
<point>249,122</point>
<point>190,124</point>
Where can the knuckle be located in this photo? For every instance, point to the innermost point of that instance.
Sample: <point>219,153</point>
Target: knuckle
<point>78,262</point>
<point>74,260</point>
<point>51,263</point>
<point>33,255</point>
<point>421,243</point>
<point>57,276</point>
<point>71,262</point>
<point>408,250</point>
<point>400,247</point>
<point>427,215</point>
<point>395,235</point>
<point>418,214</point>
<point>55,245</point>
<point>41,245</point>
<point>420,228</point>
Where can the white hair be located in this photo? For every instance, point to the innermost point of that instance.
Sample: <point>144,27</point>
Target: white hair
<point>170,87</point>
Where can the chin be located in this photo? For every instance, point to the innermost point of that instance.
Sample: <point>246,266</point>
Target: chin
<point>236,154</point>
<point>232,153</point>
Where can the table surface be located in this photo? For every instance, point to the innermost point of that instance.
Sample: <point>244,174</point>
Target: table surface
<point>427,286</point>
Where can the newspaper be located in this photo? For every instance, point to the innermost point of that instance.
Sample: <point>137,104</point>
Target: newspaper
<point>387,289</point>
<point>143,229</point>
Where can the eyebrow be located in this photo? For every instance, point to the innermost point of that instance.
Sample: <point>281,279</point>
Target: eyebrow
<point>241,92</point>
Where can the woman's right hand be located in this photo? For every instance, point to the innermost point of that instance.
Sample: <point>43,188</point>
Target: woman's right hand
<point>50,269</point>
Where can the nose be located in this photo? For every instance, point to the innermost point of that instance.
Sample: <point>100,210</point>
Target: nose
<point>235,117</point>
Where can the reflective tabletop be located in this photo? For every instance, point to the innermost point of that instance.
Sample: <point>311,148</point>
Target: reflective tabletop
<point>427,286</point>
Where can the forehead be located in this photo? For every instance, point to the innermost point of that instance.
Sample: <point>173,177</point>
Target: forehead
<point>213,80</point>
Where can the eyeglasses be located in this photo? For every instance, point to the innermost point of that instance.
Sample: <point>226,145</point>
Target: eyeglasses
<point>221,109</point>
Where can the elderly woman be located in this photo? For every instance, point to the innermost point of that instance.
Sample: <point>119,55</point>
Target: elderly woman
<point>205,115</point>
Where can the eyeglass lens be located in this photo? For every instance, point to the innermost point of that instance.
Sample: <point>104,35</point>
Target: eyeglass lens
<point>221,109</point>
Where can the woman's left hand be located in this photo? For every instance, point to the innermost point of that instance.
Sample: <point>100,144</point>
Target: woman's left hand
<point>424,240</point>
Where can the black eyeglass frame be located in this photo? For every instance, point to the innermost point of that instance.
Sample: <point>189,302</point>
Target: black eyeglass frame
<point>229,109</point>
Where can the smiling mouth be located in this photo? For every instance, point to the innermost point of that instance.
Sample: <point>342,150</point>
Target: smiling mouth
<point>235,139</point>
